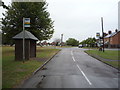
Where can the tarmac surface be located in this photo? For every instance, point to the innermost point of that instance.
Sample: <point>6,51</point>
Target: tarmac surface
<point>73,68</point>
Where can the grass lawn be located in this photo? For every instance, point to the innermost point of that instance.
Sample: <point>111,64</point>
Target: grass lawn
<point>66,46</point>
<point>108,54</point>
<point>14,72</point>
<point>60,46</point>
<point>90,47</point>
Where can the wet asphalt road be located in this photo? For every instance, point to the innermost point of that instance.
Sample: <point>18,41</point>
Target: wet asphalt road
<point>72,68</point>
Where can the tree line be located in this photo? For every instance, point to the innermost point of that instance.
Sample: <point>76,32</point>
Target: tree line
<point>41,24</point>
<point>89,42</point>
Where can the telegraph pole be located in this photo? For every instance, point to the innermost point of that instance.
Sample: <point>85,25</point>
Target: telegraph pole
<point>61,39</point>
<point>102,32</point>
<point>23,40</point>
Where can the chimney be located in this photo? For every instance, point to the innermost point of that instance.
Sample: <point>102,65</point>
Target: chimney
<point>109,32</point>
<point>116,30</point>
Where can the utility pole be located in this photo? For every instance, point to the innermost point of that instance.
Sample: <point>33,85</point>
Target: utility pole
<point>61,39</point>
<point>23,40</point>
<point>102,32</point>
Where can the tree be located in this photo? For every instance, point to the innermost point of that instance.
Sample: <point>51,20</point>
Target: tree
<point>41,24</point>
<point>72,42</point>
<point>3,5</point>
<point>89,41</point>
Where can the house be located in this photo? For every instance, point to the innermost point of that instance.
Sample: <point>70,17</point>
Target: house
<point>112,39</point>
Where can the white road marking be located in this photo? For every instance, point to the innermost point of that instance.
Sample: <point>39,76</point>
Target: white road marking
<point>81,69</point>
<point>71,53</point>
<point>72,56</point>
<point>84,75</point>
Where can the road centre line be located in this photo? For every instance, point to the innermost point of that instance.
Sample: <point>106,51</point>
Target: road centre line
<point>84,75</point>
<point>71,53</point>
<point>72,56</point>
<point>81,69</point>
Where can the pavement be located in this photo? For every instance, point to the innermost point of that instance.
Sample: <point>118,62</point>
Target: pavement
<point>73,68</point>
<point>116,49</point>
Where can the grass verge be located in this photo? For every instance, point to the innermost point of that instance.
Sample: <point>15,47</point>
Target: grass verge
<point>14,72</point>
<point>90,47</point>
<point>108,54</point>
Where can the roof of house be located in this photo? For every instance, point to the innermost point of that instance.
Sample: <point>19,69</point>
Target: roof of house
<point>28,35</point>
<point>112,34</point>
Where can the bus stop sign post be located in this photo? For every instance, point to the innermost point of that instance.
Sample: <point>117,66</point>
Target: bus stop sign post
<point>26,23</point>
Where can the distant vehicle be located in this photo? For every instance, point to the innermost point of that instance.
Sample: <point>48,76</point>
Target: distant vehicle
<point>80,46</point>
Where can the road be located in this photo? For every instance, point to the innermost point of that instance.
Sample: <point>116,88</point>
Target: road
<point>72,68</point>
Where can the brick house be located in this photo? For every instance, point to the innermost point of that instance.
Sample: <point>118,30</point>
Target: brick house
<point>112,39</point>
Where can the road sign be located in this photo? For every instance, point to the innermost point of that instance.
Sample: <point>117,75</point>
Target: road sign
<point>98,35</point>
<point>26,22</point>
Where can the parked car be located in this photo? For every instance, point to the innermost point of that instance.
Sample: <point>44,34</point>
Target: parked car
<point>80,46</point>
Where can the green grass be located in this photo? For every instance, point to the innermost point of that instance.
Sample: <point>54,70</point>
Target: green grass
<point>60,46</point>
<point>66,46</point>
<point>90,47</point>
<point>46,52</point>
<point>113,63</point>
<point>14,72</point>
<point>108,54</point>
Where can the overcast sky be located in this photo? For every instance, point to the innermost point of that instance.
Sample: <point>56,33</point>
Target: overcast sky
<point>81,19</point>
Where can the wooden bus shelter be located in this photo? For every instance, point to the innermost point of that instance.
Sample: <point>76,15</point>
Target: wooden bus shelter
<point>30,45</point>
